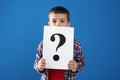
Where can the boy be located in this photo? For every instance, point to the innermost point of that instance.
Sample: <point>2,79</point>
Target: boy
<point>59,16</point>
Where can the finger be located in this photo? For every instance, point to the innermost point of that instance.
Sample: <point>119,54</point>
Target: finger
<point>41,64</point>
<point>72,61</point>
<point>72,66</point>
<point>42,60</point>
<point>41,68</point>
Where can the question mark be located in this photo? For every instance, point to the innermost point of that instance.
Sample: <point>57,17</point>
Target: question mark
<point>61,42</point>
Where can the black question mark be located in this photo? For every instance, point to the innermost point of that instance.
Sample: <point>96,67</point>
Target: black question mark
<point>61,42</point>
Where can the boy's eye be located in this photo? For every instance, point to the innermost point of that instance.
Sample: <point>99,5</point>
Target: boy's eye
<point>54,21</point>
<point>62,21</point>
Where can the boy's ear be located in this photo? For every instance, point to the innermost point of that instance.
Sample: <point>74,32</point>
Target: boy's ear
<point>48,23</point>
<point>68,24</point>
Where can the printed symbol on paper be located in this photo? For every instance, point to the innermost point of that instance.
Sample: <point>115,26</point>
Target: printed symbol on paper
<point>61,43</point>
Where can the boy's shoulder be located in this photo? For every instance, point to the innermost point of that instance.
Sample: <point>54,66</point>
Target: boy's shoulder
<point>76,42</point>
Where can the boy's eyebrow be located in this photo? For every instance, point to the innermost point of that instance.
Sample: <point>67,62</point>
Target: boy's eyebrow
<point>63,18</point>
<point>55,18</point>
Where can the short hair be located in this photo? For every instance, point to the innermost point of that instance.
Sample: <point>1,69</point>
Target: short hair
<point>60,9</point>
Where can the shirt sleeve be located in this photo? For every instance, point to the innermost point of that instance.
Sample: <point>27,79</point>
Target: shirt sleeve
<point>78,57</point>
<point>38,56</point>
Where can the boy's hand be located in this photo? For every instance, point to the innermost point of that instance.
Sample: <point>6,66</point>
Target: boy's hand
<point>72,65</point>
<point>41,64</point>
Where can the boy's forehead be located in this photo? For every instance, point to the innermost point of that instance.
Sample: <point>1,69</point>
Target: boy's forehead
<point>57,15</point>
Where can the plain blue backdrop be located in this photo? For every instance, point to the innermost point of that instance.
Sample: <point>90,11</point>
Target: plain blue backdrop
<point>97,28</point>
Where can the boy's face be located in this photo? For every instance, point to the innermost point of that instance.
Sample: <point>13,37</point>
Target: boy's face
<point>58,19</point>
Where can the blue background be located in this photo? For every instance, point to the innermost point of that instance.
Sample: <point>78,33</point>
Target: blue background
<point>97,28</point>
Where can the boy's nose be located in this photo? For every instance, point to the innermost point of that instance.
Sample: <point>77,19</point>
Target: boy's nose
<point>58,24</point>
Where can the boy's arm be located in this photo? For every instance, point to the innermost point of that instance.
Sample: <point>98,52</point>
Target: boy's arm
<point>38,57</point>
<point>78,57</point>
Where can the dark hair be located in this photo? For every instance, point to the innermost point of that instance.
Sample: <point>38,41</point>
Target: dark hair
<point>62,10</point>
